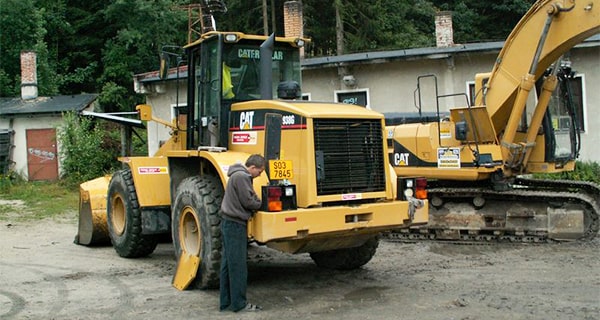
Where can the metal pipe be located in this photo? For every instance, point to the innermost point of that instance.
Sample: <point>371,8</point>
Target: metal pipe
<point>266,69</point>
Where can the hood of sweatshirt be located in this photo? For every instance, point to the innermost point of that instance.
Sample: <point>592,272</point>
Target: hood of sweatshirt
<point>235,168</point>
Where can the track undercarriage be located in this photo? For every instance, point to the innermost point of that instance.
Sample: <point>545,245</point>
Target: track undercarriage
<point>532,210</point>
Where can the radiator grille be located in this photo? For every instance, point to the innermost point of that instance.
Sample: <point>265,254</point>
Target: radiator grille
<point>349,156</point>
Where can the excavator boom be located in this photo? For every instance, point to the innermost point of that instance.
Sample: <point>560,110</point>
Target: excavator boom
<point>571,22</point>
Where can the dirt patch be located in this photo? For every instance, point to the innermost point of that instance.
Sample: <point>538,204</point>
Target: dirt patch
<point>45,276</point>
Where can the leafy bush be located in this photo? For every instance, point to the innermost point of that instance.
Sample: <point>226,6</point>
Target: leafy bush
<point>584,171</point>
<point>86,152</point>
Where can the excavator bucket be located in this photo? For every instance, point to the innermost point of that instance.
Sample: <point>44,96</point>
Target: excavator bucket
<point>93,228</point>
<point>187,267</point>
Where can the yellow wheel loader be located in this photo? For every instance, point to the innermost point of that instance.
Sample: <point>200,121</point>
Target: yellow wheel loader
<point>328,190</point>
<point>475,157</point>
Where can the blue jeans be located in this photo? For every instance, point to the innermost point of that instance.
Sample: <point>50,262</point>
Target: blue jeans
<point>234,268</point>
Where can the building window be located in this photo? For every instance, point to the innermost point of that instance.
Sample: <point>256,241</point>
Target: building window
<point>471,92</point>
<point>179,113</point>
<point>359,97</point>
<point>578,99</point>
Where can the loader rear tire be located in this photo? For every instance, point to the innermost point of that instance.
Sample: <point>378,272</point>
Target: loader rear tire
<point>196,226</point>
<point>348,258</point>
<point>124,218</point>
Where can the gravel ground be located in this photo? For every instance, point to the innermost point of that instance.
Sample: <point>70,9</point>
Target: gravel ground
<point>45,276</point>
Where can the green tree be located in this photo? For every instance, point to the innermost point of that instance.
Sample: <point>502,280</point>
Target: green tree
<point>22,27</point>
<point>140,28</point>
<point>476,21</point>
<point>76,39</point>
<point>83,150</point>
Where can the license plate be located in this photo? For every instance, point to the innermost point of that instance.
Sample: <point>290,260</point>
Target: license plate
<point>280,169</point>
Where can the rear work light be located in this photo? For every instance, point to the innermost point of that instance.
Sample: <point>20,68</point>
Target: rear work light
<point>278,198</point>
<point>421,188</point>
<point>411,188</point>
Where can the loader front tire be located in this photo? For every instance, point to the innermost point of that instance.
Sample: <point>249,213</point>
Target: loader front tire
<point>347,258</point>
<point>196,226</point>
<point>124,218</point>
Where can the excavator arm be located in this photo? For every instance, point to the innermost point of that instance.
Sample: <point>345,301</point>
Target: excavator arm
<point>568,22</point>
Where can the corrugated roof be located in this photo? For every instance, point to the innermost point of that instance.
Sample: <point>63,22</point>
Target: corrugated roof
<point>45,105</point>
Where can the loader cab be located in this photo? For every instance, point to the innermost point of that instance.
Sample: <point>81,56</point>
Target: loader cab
<point>224,69</point>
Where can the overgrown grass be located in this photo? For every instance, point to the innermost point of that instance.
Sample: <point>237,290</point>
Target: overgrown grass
<point>27,201</point>
<point>584,171</point>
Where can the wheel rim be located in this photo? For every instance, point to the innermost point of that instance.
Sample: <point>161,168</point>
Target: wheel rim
<point>190,235</point>
<point>118,216</point>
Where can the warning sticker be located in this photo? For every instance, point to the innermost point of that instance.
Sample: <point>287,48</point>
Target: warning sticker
<point>445,133</point>
<point>244,137</point>
<point>153,170</point>
<point>448,158</point>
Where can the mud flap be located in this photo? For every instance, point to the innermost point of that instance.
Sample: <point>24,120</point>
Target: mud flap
<point>93,228</point>
<point>187,268</point>
<point>565,224</point>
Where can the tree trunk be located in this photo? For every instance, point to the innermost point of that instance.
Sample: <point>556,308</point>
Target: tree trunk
<point>265,18</point>
<point>339,27</point>
<point>273,17</point>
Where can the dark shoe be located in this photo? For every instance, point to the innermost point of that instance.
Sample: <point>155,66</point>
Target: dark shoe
<point>251,307</point>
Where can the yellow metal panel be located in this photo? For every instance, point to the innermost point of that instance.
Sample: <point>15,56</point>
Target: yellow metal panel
<point>314,222</point>
<point>462,174</point>
<point>222,160</point>
<point>311,109</point>
<point>187,268</point>
<point>475,118</point>
<point>151,179</point>
<point>92,225</point>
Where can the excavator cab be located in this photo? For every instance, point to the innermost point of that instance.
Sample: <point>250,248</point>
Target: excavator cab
<point>561,124</point>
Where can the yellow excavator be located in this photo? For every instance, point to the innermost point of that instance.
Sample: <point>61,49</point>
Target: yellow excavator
<point>477,157</point>
<point>328,190</point>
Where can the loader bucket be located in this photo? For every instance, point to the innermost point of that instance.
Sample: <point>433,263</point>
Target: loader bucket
<point>93,228</point>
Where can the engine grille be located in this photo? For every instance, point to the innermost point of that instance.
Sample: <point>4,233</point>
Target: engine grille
<point>349,156</point>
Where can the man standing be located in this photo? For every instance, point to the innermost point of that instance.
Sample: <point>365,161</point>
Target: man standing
<point>239,204</point>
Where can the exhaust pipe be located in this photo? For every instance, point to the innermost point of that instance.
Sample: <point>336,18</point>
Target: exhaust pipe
<point>266,69</point>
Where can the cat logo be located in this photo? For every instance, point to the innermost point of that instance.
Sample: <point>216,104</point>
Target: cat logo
<point>400,159</point>
<point>246,119</point>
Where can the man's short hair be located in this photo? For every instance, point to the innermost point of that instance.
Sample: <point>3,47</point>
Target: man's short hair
<point>256,160</point>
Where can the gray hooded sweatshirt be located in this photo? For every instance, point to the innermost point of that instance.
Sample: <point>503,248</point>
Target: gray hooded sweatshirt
<point>240,200</point>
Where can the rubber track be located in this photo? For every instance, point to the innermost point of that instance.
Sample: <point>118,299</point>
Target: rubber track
<point>583,193</point>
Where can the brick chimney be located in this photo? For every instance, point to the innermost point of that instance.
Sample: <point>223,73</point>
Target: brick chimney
<point>444,35</point>
<point>293,20</point>
<point>29,85</point>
